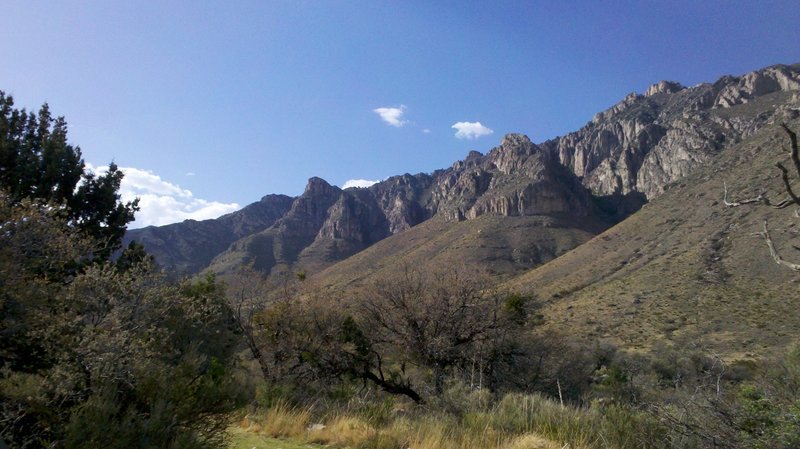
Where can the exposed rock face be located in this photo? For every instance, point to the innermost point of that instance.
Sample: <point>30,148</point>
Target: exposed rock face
<point>310,210</point>
<point>741,90</point>
<point>402,200</point>
<point>354,222</point>
<point>664,87</point>
<point>356,217</point>
<point>647,141</point>
<point>283,242</point>
<point>685,145</point>
<point>514,179</point>
<point>326,224</point>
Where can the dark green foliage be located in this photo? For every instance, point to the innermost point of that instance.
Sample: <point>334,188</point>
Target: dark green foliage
<point>517,307</point>
<point>613,383</point>
<point>36,159</point>
<point>110,358</point>
<point>96,209</point>
<point>768,411</point>
<point>37,163</point>
<point>351,333</point>
<point>134,254</point>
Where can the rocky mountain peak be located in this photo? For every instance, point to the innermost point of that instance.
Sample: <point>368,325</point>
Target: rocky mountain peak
<point>318,186</point>
<point>512,153</point>
<point>516,178</point>
<point>630,100</point>
<point>188,247</point>
<point>315,200</point>
<point>401,198</point>
<point>664,87</point>
<point>515,140</point>
<point>474,155</point>
<point>628,153</point>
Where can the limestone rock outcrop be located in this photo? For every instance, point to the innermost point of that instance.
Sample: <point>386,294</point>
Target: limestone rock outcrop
<point>664,87</point>
<point>645,142</point>
<point>744,89</point>
<point>403,199</point>
<point>514,179</point>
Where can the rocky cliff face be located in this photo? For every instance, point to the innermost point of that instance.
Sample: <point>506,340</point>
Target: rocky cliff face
<point>327,224</point>
<point>282,243</point>
<point>516,178</point>
<point>403,200</point>
<point>645,142</point>
<point>739,90</point>
<point>624,155</point>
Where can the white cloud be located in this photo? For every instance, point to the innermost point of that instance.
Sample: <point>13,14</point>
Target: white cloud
<point>161,202</point>
<point>392,116</point>
<point>471,130</point>
<point>358,183</point>
<point>190,173</point>
<point>426,131</point>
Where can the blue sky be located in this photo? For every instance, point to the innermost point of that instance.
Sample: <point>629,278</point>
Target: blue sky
<point>220,103</point>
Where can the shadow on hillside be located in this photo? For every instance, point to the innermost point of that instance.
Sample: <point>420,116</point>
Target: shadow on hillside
<point>618,207</point>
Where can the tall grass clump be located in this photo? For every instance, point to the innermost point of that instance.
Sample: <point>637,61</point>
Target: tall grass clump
<point>601,426</point>
<point>515,421</point>
<point>280,420</point>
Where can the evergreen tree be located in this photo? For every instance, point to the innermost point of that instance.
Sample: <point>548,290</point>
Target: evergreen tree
<point>37,162</point>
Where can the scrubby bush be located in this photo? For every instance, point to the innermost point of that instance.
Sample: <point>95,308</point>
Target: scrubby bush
<point>95,356</point>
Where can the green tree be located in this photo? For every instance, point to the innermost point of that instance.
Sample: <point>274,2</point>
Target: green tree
<point>106,357</point>
<point>37,162</point>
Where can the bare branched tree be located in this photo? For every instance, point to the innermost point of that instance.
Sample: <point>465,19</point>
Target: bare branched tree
<point>443,320</point>
<point>791,200</point>
<point>248,294</point>
<point>252,298</point>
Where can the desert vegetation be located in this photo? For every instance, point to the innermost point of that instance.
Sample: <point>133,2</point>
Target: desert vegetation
<point>100,348</point>
<point>390,366</point>
<point>791,199</point>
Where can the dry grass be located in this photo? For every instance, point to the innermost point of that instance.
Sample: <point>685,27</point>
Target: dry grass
<point>684,268</point>
<point>281,420</point>
<point>516,422</point>
<point>343,431</point>
<point>531,441</point>
<point>504,246</point>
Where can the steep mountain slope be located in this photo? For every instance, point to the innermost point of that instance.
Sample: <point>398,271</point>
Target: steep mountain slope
<point>686,269</point>
<point>499,245</point>
<point>325,221</point>
<point>515,179</point>
<point>188,247</point>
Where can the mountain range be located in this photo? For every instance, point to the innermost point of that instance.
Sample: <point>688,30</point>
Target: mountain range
<point>619,227</point>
